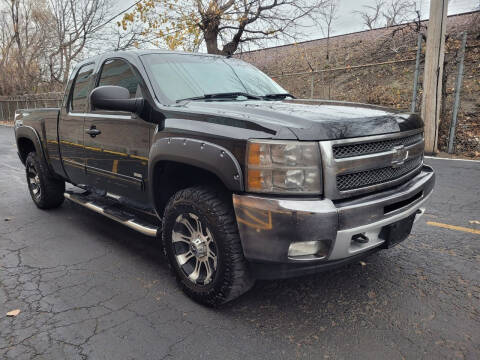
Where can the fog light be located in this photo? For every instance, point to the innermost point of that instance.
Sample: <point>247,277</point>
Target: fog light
<point>309,249</point>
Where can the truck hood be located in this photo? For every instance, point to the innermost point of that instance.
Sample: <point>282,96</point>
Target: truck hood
<point>314,120</point>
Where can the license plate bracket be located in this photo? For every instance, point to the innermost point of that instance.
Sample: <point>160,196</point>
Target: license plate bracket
<point>395,233</point>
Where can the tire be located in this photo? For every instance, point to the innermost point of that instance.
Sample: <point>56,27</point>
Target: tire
<point>46,191</point>
<point>215,240</point>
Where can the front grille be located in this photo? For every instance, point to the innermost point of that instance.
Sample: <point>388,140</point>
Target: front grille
<point>341,151</point>
<point>376,176</point>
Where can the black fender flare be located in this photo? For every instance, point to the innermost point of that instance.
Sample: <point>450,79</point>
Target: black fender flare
<point>202,154</point>
<point>31,134</point>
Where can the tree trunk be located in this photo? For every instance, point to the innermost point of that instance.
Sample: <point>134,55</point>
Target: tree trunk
<point>211,40</point>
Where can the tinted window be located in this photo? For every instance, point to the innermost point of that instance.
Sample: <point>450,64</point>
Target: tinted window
<point>118,72</point>
<point>80,88</point>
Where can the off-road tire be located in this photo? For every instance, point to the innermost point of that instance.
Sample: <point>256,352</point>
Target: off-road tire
<point>214,207</point>
<point>51,189</point>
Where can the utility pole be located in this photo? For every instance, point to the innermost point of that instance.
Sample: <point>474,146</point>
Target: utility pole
<point>433,73</point>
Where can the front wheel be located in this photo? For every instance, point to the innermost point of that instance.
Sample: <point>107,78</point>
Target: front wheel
<point>46,191</point>
<point>202,244</point>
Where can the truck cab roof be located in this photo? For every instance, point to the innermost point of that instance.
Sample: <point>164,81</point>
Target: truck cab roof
<point>141,52</point>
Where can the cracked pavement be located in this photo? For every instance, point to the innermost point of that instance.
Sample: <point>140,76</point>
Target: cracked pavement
<point>89,288</point>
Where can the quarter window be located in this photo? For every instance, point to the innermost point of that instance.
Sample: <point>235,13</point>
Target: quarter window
<point>118,72</point>
<point>80,88</point>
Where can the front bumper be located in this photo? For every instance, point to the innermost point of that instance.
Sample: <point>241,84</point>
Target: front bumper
<point>268,225</point>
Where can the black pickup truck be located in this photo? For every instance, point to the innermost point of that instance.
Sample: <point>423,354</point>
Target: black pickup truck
<point>239,180</point>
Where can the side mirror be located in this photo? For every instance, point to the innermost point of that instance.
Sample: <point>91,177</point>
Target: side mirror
<point>117,98</point>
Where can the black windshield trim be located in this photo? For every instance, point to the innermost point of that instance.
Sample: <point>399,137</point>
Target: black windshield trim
<point>280,96</point>
<point>225,95</point>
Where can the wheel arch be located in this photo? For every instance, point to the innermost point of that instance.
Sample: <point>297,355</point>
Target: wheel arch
<point>28,140</point>
<point>190,162</point>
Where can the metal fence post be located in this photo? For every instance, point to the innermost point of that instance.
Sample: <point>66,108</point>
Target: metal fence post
<point>415,76</point>
<point>458,89</point>
<point>312,85</point>
<point>330,86</point>
<point>8,110</point>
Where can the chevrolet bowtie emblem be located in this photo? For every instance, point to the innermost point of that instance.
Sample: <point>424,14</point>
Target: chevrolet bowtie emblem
<point>400,154</point>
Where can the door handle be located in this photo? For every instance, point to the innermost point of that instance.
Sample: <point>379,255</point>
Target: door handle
<point>93,131</point>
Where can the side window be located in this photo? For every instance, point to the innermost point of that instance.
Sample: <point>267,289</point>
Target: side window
<point>118,72</point>
<point>80,88</point>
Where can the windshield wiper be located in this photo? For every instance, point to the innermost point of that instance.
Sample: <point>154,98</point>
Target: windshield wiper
<point>278,96</point>
<point>225,95</point>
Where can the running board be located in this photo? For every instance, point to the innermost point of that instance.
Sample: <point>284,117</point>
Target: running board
<point>113,211</point>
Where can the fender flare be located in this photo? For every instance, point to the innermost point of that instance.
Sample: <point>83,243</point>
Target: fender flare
<point>202,154</point>
<point>30,133</point>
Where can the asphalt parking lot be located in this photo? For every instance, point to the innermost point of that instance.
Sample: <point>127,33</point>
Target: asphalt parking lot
<point>89,288</point>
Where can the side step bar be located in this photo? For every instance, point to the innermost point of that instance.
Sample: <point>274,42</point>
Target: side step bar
<point>112,211</point>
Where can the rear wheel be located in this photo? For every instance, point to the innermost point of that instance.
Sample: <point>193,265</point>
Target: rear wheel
<point>201,241</point>
<point>46,191</point>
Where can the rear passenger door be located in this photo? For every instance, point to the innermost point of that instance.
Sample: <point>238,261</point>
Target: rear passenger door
<point>117,158</point>
<point>71,127</point>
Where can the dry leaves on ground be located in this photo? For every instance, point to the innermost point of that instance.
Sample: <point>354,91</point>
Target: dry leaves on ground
<point>13,312</point>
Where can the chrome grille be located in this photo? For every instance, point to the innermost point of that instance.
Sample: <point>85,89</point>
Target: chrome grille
<point>376,176</point>
<point>362,165</point>
<point>341,151</point>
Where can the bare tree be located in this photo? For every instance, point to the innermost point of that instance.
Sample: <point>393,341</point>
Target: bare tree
<point>371,15</point>
<point>223,25</point>
<point>73,23</point>
<point>385,13</point>
<point>328,16</point>
<point>398,11</point>
<point>114,38</point>
<point>40,40</point>
<point>22,37</point>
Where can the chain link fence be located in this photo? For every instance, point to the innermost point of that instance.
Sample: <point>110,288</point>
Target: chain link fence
<point>343,83</point>
<point>9,104</point>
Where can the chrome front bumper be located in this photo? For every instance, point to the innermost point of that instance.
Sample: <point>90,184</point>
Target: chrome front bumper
<point>268,225</point>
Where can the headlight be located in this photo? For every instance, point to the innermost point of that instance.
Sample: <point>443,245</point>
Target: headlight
<point>283,167</point>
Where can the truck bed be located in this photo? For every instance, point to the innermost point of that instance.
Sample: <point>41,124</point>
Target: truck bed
<point>30,117</point>
<point>43,123</point>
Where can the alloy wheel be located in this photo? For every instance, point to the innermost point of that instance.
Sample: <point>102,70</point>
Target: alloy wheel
<point>194,249</point>
<point>34,181</point>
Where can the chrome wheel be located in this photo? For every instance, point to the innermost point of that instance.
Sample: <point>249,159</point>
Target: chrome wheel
<point>194,249</point>
<point>34,181</point>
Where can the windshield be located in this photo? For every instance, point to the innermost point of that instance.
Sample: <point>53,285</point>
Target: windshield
<point>179,76</point>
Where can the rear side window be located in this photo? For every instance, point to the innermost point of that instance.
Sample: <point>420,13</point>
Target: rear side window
<point>118,72</point>
<point>80,88</point>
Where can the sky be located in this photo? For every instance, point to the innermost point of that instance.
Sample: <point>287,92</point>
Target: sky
<point>347,21</point>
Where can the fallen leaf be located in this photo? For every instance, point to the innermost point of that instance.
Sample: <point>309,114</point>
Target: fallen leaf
<point>363,263</point>
<point>13,312</point>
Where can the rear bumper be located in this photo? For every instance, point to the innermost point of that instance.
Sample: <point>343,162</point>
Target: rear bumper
<point>268,226</point>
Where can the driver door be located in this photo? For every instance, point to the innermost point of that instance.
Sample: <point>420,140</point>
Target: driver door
<point>70,127</point>
<point>116,151</point>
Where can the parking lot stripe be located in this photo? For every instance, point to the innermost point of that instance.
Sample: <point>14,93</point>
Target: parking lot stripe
<point>453,227</point>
